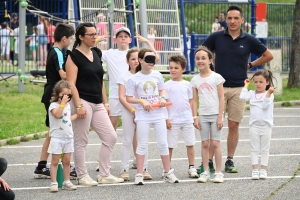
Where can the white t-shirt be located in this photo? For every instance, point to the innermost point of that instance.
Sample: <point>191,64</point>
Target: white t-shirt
<point>261,108</point>
<point>208,93</point>
<point>215,27</point>
<point>179,93</point>
<point>4,34</point>
<point>16,34</point>
<point>62,127</point>
<point>123,80</point>
<point>34,40</point>
<point>147,86</point>
<point>116,66</point>
<point>40,28</point>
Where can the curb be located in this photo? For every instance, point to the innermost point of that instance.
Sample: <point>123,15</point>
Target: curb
<point>19,138</point>
<point>43,134</point>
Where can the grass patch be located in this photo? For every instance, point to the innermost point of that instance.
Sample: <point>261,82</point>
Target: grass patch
<point>23,113</point>
<point>286,104</point>
<point>25,139</point>
<point>36,137</point>
<point>12,141</point>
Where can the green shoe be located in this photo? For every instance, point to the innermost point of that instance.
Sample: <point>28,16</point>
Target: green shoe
<point>200,169</point>
<point>229,167</point>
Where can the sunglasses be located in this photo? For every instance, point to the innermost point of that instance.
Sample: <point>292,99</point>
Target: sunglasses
<point>69,96</point>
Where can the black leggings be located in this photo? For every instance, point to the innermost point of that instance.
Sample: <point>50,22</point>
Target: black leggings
<point>5,195</point>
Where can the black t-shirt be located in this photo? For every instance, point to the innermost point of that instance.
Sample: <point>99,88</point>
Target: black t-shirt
<point>232,56</point>
<point>90,75</point>
<point>55,62</point>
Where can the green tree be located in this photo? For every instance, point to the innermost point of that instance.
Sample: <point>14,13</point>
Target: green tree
<point>295,53</point>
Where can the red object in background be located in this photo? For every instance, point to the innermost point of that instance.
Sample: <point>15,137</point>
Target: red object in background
<point>261,12</point>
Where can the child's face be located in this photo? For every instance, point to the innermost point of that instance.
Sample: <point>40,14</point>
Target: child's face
<point>176,70</point>
<point>260,83</point>
<point>64,91</point>
<point>145,65</point>
<point>133,61</point>
<point>67,41</point>
<point>123,39</point>
<point>202,60</point>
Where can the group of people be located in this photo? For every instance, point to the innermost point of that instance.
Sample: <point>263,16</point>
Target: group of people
<point>42,38</point>
<point>138,94</point>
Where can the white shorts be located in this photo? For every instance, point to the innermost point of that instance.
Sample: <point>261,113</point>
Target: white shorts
<point>115,107</point>
<point>188,133</point>
<point>16,46</point>
<point>60,145</point>
<point>5,48</point>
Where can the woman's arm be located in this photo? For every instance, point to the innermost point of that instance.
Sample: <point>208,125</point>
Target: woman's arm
<point>104,98</point>
<point>71,76</point>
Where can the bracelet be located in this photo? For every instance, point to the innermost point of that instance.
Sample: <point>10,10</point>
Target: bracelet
<point>250,65</point>
<point>141,100</point>
<point>132,110</point>
<point>97,40</point>
<point>247,84</point>
<point>106,104</point>
<point>164,97</point>
<point>78,107</point>
<point>61,106</point>
<point>195,117</point>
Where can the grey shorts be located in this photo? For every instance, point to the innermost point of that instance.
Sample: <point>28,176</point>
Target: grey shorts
<point>207,123</point>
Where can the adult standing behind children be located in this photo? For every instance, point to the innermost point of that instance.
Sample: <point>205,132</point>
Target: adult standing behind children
<point>115,60</point>
<point>222,22</point>
<point>54,73</point>
<point>42,32</point>
<point>232,48</point>
<point>85,74</point>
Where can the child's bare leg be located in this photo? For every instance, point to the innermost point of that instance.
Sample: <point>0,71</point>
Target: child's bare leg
<point>53,166</point>
<point>166,162</point>
<point>44,153</point>
<point>205,153</point>
<point>140,163</point>
<point>191,154</point>
<point>66,163</point>
<point>170,153</point>
<point>114,121</point>
<point>218,154</point>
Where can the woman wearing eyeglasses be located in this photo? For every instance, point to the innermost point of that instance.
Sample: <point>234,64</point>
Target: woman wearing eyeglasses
<point>85,74</point>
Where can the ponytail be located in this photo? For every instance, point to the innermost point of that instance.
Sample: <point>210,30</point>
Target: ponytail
<point>75,45</point>
<point>138,68</point>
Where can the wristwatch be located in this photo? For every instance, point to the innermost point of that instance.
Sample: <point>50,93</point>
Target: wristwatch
<point>250,64</point>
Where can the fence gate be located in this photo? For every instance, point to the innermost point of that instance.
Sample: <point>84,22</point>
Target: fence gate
<point>163,29</point>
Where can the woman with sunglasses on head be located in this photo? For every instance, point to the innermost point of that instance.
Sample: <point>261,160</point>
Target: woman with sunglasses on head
<point>85,73</point>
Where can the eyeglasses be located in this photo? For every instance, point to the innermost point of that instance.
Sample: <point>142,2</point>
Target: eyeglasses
<point>91,34</point>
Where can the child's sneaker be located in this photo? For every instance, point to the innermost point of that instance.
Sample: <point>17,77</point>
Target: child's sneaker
<point>54,187</point>
<point>229,166</point>
<point>73,174</point>
<point>263,174</point>
<point>124,175</point>
<point>203,177</point>
<point>255,174</point>
<point>193,173</point>
<point>218,177</point>
<point>170,177</point>
<point>87,181</point>
<point>44,173</point>
<point>109,179</point>
<point>139,179</point>
<point>133,163</point>
<point>68,186</point>
<point>147,175</point>
<point>200,169</point>
<point>97,169</point>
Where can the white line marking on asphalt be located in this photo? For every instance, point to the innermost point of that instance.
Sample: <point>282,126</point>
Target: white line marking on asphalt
<point>159,182</point>
<point>120,143</point>
<point>158,159</point>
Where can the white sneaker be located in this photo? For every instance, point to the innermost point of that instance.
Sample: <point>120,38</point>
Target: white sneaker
<point>133,163</point>
<point>170,177</point>
<point>203,177</point>
<point>54,187</point>
<point>68,186</point>
<point>255,174</point>
<point>193,172</point>
<point>139,179</point>
<point>218,177</point>
<point>109,179</point>
<point>87,181</point>
<point>263,174</point>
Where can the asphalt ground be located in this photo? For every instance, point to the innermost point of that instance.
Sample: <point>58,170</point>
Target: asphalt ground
<point>283,162</point>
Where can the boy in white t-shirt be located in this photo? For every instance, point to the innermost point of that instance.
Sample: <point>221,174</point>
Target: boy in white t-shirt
<point>116,66</point>
<point>180,117</point>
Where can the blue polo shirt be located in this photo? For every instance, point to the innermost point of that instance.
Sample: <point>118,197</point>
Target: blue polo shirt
<point>232,56</point>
